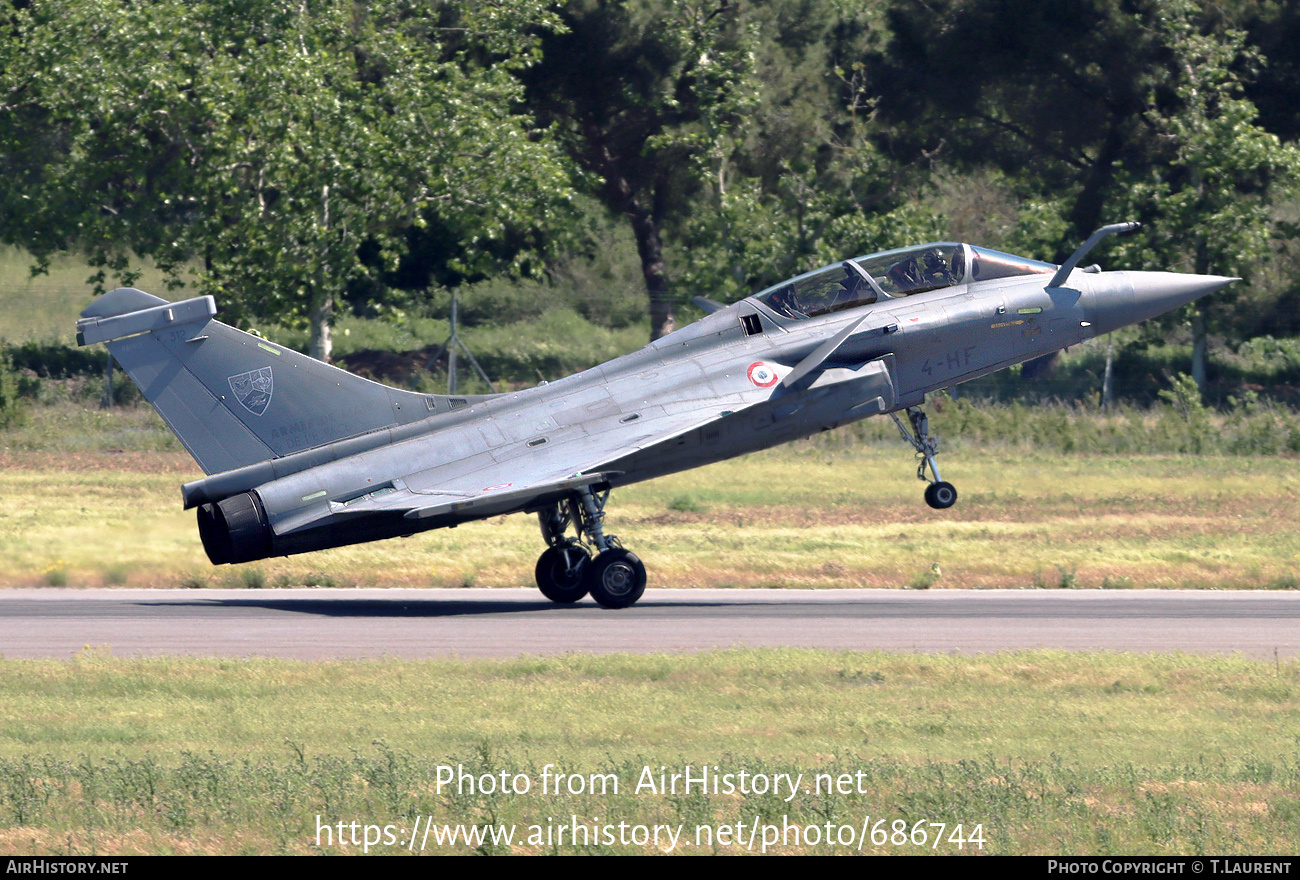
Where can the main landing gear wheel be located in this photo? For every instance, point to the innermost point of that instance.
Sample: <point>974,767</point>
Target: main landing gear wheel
<point>940,496</point>
<point>616,578</point>
<point>566,572</point>
<point>561,573</point>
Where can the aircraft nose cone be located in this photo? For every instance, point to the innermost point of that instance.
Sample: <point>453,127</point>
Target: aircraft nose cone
<point>1137,296</point>
<point>1159,292</point>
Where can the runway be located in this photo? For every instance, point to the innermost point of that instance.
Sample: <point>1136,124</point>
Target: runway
<point>323,623</point>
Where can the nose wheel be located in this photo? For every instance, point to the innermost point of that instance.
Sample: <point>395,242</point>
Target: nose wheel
<point>566,571</point>
<point>938,494</point>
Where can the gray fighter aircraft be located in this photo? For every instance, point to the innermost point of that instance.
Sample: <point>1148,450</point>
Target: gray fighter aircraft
<point>302,456</point>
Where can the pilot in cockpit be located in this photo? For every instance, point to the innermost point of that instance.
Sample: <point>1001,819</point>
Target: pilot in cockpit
<point>856,293</point>
<point>926,270</point>
<point>935,269</point>
<point>785,302</point>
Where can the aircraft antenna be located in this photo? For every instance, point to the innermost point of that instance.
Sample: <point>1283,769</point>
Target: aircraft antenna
<point>454,342</point>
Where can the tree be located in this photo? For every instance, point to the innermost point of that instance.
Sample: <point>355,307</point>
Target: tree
<point>800,181</point>
<point>1206,197</point>
<point>634,87</point>
<point>1098,110</point>
<point>1054,94</point>
<point>270,153</point>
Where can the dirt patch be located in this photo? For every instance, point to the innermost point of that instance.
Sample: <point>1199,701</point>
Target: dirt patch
<point>393,367</point>
<point>179,463</point>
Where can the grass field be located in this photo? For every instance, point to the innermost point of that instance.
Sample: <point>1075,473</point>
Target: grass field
<point>46,306</point>
<point>1048,752</point>
<point>1043,752</point>
<point>800,516</point>
<point>549,344</point>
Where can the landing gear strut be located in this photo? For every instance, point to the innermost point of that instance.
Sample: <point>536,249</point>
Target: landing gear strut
<point>938,494</point>
<point>566,571</point>
<point>561,569</point>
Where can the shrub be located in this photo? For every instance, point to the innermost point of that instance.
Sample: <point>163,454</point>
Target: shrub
<point>11,405</point>
<point>54,360</point>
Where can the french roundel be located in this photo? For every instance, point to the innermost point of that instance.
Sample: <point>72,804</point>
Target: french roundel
<point>763,375</point>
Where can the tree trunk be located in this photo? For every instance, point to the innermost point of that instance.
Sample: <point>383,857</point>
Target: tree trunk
<point>645,228</point>
<point>321,345</point>
<point>1106,390</point>
<point>648,244</point>
<point>1086,212</point>
<point>321,317</point>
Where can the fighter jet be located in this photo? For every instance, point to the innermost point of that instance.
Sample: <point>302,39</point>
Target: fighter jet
<point>301,456</point>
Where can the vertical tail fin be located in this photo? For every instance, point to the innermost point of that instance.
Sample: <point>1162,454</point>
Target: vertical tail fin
<point>234,399</point>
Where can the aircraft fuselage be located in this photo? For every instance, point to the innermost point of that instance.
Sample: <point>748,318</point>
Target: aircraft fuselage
<point>871,336</point>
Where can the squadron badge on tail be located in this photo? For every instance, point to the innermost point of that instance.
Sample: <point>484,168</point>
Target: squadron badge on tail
<point>253,389</point>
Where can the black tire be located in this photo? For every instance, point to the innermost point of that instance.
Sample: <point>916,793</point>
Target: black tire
<point>940,496</point>
<point>616,578</point>
<point>561,576</point>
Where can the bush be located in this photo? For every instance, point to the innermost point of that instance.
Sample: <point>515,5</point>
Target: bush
<point>54,360</point>
<point>11,405</point>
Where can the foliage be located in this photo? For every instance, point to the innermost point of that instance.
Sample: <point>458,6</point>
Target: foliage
<point>798,180</point>
<point>1052,93</point>
<point>1134,113</point>
<point>255,148</point>
<point>53,360</point>
<point>644,95</point>
<point>1278,357</point>
<point>11,406</point>
<point>1181,424</point>
<point>296,160</point>
<point>1206,196</point>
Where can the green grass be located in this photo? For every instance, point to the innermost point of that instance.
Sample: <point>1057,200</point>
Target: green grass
<point>551,346</point>
<point>45,307</point>
<point>816,514</point>
<point>1050,752</point>
<point>64,415</point>
<point>548,340</point>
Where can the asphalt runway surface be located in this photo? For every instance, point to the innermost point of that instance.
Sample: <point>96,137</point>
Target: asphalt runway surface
<point>322,623</point>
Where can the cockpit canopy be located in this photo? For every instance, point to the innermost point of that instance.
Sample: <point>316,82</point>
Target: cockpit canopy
<point>892,274</point>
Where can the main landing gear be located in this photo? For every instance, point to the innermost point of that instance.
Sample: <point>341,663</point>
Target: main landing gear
<point>938,494</point>
<point>566,571</point>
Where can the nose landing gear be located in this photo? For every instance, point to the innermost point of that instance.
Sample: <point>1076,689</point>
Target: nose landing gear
<point>566,571</point>
<point>938,494</point>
